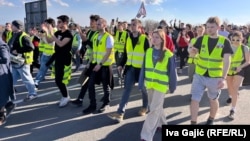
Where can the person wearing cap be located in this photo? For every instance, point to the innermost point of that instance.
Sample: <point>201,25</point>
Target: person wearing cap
<point>20,44</point>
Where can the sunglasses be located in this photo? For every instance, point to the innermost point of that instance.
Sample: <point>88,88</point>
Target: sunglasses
<point>233,40</point>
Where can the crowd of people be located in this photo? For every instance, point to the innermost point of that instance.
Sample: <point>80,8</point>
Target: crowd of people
<point>215,55</point>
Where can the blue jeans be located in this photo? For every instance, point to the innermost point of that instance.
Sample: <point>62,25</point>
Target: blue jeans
<point>75,57</point>
<point>25,75</point>
<point>43,69</point>
<point>129,81</point>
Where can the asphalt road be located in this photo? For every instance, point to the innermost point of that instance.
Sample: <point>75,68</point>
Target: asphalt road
<point>42,119</point>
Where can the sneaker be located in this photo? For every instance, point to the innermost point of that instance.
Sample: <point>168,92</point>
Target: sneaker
<point>210,122</point>
<point>143,111</point>
<point>229,100</point>
<point>29,98</point>
<point>10,107</point>
<point>116,116</point>
<point>64,101</point>
<point>77,102</point>
<point>231,115</point>
<point>89,110</point>
<point>103,108</point>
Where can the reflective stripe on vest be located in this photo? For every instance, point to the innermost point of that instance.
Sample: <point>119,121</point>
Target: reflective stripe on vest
<point>213,62</point>
<point>99,50</point>
<point>66,74</point>
<point>193,59</point>
<point>236,60</point>
<point>27,55</point>
<point>119,44</point>
<point>156,76</point>
<point>135,55</point>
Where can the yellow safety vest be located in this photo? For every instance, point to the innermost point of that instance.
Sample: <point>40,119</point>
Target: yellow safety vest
<point>156,76</point>
<point>236,60</point>
<point>213,62</point>
<point>41,45</point>
<point>28,56</point>
<point>119,44</point>
<point>66,75</point>
<point>248,41</point>
<point>193,59</point>
<point>75,41</point>
<point>8,36</point>
<point>99,50</point>
<point>89,51</point>
<point>135,55</point>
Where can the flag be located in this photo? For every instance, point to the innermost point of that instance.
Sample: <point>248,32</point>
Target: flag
<point>142,11</point>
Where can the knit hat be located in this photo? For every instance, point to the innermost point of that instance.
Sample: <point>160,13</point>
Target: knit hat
<point>18,24</point>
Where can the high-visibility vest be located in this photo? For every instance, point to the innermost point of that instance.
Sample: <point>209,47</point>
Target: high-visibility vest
<point>99,50</point>
<point>236,60</point>
<point>89,51</point>
<point>135,55</point>
<point>66,75</point>
<point>8,36</point>
<point>156,76</point>
<point>248,41</point>
<point>28,56</point>
<point>213,62</point>
<point>119,44</point>
<point>41,45</point>
<point>75,41</point>
<point>49,48</point>
<point>193,59</point>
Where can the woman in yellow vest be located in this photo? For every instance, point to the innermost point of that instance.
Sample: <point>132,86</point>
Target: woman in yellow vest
<point>159,77</point>
<point>192,58</point>
<point>239,60</point>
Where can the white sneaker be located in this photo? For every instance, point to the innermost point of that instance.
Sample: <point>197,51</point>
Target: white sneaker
<point>64,101</point>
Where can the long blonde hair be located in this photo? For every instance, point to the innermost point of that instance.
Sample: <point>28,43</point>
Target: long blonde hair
<point>162,34</point>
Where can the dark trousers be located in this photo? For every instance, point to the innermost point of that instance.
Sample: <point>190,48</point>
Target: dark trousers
<point>103,76</point>
<point>59,72</point>
<point>35,62</point>
<point>183,53</point>
<point>84,89</point>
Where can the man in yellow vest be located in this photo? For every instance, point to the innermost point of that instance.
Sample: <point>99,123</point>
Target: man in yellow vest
<point>47,51</point>
<point>103,58</point>
<point>121,37</point>
<point>76,46</point>
<point>7,33</point>
<point>136,46</point>
<point>21,44</point>
<point>211,69</point>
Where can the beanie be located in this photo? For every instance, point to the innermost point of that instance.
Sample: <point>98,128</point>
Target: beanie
<point>18,24</point>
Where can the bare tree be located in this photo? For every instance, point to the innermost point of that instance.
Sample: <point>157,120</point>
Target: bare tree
<point>150,25</point>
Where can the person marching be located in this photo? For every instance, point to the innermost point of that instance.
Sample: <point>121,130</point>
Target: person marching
<point>21,45</point>
<point>76,45</point>
<point>121,37</point>
<point>211,69</point>
<point>192,58</point>
<point>6,82</point>
<point>47,50</point>
<point>239,60</point>
<point>103,58</point>
<point>158,74</point>
<point>88,43</point>
<point>136,46</point>
<point>62,56</point>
